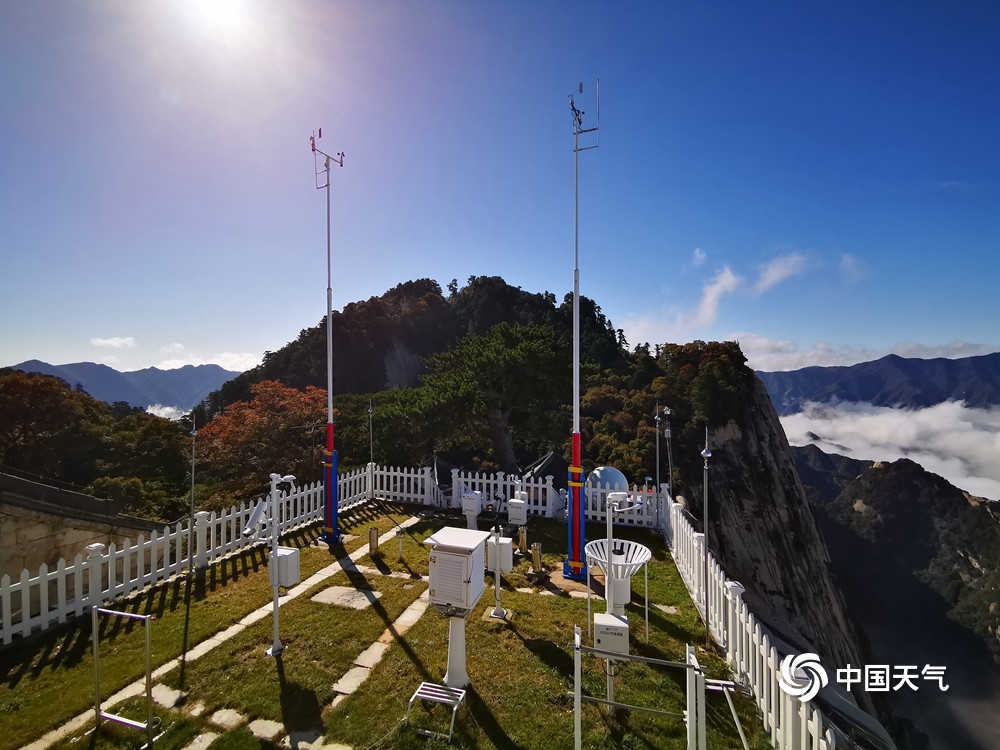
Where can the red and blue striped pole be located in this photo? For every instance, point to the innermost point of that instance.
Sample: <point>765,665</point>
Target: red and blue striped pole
<point>575,567</point>
<point>331,499</point>
<point>331,528</point>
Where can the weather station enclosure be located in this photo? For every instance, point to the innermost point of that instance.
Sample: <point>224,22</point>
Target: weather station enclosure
<point>456,584</point>
<point>457,560</point>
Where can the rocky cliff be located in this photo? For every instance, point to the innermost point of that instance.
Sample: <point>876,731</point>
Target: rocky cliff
<point>919,562</point>
<point>763,532</point>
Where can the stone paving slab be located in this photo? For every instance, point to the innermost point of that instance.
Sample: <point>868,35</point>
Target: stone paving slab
<point>405,621</point>
<point>227,718</point>
<point>202,741</point>
<point>167,696</point>
<point>371,655</point>
<point>304,739</point>
<point>370,571</point>
<point>265,729</point>
<point>410,615</point>
<point>351,681</point>
<point>347,596</point>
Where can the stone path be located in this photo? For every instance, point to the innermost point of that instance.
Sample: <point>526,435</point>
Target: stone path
<point>227,719</point>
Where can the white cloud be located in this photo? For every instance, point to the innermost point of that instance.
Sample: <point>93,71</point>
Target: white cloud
<point>238,361</point>
<point>678,326</point>
<point>949,439</point>
<point>171,348</point>
<point>953,350</point>
<point>167,412</point>
<point>779,269</point>
<point>698,257</point>
<point>116,342</point>
<point>773,355</point>
<point>725,282</point>
<point>851,269</point>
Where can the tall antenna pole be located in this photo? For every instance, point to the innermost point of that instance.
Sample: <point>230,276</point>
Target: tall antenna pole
<point>194,435</point>
<point>705,454</point>
<point>331,528</point>
<point>574,567</point>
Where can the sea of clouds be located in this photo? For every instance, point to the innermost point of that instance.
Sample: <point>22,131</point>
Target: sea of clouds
<point>959,443</point>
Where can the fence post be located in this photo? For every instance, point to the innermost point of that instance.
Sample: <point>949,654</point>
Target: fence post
<point>699,573</point>
<point>94,553</point>
<point>370,478</point>
<point>663,509</point>
<point>734,635</point>
<point>201,537</point>
<point>428,486</point>
<point>456,490</point>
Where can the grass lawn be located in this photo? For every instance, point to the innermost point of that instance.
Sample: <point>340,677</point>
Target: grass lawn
<point>521,672</point>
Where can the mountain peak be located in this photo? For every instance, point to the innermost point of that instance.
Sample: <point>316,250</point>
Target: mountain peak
<point>893,381</point>
<point>183,388</point>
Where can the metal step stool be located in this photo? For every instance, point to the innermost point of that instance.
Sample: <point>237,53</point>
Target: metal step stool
<point>430,691</point>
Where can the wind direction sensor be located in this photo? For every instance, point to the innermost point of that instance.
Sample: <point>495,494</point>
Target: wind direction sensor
<point>574,567</point>
<point>331,529</point>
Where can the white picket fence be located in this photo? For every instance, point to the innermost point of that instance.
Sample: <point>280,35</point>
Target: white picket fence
<point>36,600</point>
<point>792,724</point>
<point>544,500</point>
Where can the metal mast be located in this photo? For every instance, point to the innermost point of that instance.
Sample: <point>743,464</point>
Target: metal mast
<point>574,567</point>
<point>331,528</point>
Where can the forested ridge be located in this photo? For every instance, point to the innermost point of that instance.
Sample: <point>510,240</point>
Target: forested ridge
<point>479,376</point>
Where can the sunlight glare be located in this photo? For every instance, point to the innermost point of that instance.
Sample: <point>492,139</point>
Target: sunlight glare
<point>218,17</point>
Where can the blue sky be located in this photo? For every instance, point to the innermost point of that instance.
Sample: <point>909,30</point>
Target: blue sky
<point>820,182</point>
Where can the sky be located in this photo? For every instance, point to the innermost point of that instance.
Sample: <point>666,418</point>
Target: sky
<point>820,182</point>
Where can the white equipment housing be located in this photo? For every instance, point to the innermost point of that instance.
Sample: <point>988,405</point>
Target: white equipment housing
<point>286,569</point>
<point>506,554</point>
<point>472,503</point>
<point>517,509</point>
<point>611,633</point>
<point>457,561</point>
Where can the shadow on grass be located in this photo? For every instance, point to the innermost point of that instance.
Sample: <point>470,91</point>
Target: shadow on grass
<point>487,722</point>
<point>300,709</point>
<point>552,654</point>
<point>358,580</point>
<point>64,646</point>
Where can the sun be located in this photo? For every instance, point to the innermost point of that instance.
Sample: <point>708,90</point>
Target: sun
<point>218,17</point>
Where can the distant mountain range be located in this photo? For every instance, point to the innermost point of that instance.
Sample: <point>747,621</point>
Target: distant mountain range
<point>183,388</point>
<point>919,563</point>
<point>891,381</point>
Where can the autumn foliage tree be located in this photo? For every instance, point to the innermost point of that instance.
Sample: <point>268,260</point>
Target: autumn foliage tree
<point>60,435</point>
<point>279,430</point>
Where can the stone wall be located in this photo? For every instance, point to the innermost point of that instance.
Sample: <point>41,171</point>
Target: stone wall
<point>41,524</point>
